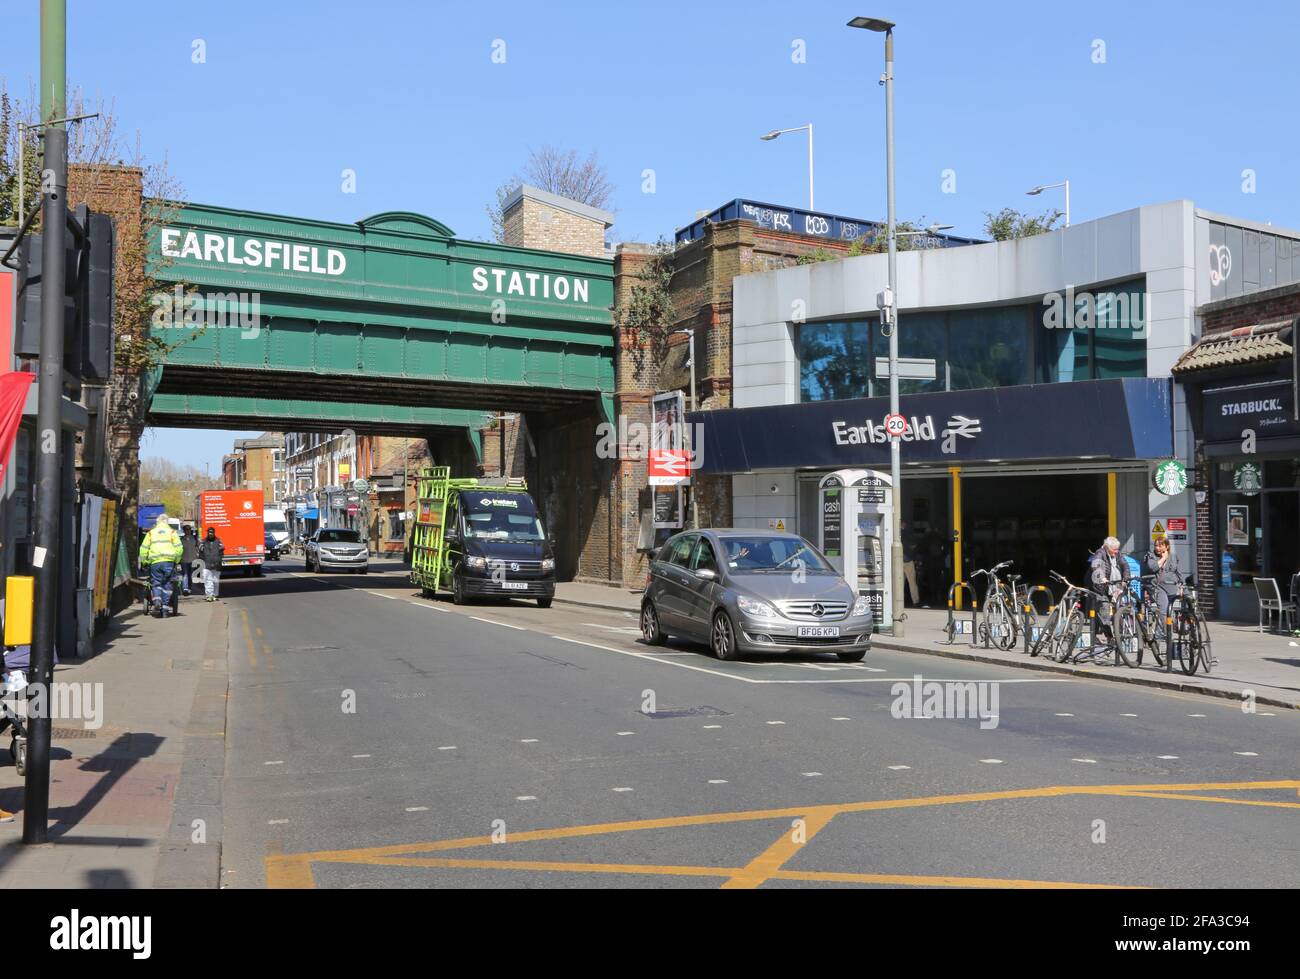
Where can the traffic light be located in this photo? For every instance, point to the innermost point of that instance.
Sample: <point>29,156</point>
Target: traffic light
<point>87,298</point>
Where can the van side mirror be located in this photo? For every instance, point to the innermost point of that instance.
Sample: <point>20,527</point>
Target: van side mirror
<point>708,574</point>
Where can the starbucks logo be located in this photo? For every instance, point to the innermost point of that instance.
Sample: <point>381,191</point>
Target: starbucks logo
<point>1170,477</point>
<point>1248,478</point>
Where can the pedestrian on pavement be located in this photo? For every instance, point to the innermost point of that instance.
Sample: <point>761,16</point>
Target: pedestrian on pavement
<point>159,553</point>
<point>189,554</point>
<point>909,562</point>
<point>211,553</point>
<point>1109,572</point>
<point>1162,562</point>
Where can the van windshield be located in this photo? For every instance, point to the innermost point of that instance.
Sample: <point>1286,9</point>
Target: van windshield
<point>507,517</point>
<point>276,526</point>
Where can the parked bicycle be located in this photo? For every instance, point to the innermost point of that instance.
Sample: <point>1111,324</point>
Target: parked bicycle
<point>1151,620</point>
<point>1188,634</point>
<point>999,621</point>
<point>1066,633</point>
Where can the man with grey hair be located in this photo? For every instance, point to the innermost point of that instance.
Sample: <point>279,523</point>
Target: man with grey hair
<point>1109,575</point>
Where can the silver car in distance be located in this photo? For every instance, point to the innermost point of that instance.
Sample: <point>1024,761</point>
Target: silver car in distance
<point>752,591</point>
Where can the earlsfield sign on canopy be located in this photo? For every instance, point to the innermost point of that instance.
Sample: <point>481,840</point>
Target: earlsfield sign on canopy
<point>253,252</point>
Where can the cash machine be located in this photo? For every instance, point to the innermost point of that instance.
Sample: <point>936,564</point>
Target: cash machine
<point>855,534</point>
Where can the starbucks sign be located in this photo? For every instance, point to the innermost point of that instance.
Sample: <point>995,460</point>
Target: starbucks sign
<point>1170,477</point>
<point>1248,478</point>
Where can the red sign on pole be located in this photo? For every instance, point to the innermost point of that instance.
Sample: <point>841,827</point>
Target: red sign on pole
<point>668,467</point>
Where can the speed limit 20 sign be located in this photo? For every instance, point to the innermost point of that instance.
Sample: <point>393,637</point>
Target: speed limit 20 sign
<point>895,426</point>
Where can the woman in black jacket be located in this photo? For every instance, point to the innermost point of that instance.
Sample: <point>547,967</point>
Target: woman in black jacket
<point>1163,563</point>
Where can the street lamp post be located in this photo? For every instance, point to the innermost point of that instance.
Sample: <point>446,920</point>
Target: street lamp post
<point>798,129</point>
<point>1042,187</point>
<point>690,438</point>
<point>889,314</point>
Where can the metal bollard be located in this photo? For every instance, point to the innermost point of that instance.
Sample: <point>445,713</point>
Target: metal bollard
<point>961,626</point>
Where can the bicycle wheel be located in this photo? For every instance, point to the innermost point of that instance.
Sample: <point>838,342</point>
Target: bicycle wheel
<point>1048,633</point>
<point>1154,622</point>
<point>1185,642</point>
<point>1205,653</point>
<point>1067,643</point>
<point>1128,641</point>
<point>1010,625</point>
<point>996,624</point>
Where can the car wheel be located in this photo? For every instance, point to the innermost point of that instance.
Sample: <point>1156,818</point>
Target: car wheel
<point>650,631</point>
<point>544,602</point>
<point>366,569</point>
<point>853,656</point>
<point>457,590</point>
<point>722,637</point>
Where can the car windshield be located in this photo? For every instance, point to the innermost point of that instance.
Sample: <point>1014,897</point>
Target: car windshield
<point>503,525</point>
<point>339,537</point>
<point>755,555</point>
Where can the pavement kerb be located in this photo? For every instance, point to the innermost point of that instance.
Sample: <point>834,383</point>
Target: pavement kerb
<point>1126,676</point>
<point>606,606</point>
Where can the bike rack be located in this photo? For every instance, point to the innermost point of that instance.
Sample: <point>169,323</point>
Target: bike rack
<point>1029,610</point>
<point>961,627</point>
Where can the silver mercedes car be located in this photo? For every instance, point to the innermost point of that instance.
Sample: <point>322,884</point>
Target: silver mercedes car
<point>752,591</point>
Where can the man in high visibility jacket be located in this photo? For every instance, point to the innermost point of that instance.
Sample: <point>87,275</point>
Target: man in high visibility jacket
<point>159,553</point>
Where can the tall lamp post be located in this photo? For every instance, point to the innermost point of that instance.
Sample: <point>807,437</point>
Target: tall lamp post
<point>889,316</point>
<point>690,338</point>
<point>798,129</point>
<point>1042,187</point>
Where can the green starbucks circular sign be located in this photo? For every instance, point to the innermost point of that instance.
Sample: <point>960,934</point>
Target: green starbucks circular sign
<point>1248,478</point>
<point>1170,477</point>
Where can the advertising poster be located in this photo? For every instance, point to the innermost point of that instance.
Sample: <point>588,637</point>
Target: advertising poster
<point>667,507</point>
<point>1238,526</point>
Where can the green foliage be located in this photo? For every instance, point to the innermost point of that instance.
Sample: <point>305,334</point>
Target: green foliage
<point>649,312</point>
<point>10,179</point>
<point>1009,223</point>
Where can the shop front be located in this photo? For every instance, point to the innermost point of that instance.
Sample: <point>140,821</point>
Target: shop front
<point>1036,474</point>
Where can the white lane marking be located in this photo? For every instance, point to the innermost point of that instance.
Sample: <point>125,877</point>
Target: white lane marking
<point>658,658</point>
<point>273,763</point>
<point>712,727</point>
<point>811,774</point>
<point>1064,715</point>
<point>620,629</point>
<point>899,768</point>
<point>525,798</point>
<point>417,808</point>
<point>479,618</point>
<point>991,761</point>
<point>775,722</point>
<point>624,734</point>
<point>446,747</point>
<point>1195,715</point>
<point>1085,761</point>
<point>528,741</point>
<point>1267,714</point>
<point>1128,715</point>
<point>1167,757</point>
<point>420,604</point>
<point>276,822</point>
<point>841,718</point>
<point>380,594</point>
<point>1247,754</point>
<point>717,781</point>
<point>360,756</point>
<point>622,788</point>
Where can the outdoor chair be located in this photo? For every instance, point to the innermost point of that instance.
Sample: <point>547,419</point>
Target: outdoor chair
<point>1270,601</point>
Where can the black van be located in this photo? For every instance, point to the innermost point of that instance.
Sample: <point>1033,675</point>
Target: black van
<point>497,547</point>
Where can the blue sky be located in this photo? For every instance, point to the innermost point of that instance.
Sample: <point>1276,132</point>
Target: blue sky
<point>1006,95</point>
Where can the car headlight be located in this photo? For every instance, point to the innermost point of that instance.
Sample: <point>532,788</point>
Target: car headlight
<point>862,606</point>
<point>758,609</point>
<point>478,563</point>
<point>548,564</point>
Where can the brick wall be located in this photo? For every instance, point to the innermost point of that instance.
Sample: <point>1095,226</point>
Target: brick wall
<point>535,224</point>
<point>1259,307</point>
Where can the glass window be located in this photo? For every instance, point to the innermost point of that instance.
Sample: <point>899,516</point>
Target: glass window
<point>920,335</point>
<point>835,360</point>
<point>754,555</point>
<point>704,559</point>
<point>681,551</point>
<point>988,347</point>
<point>1120,338</point>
